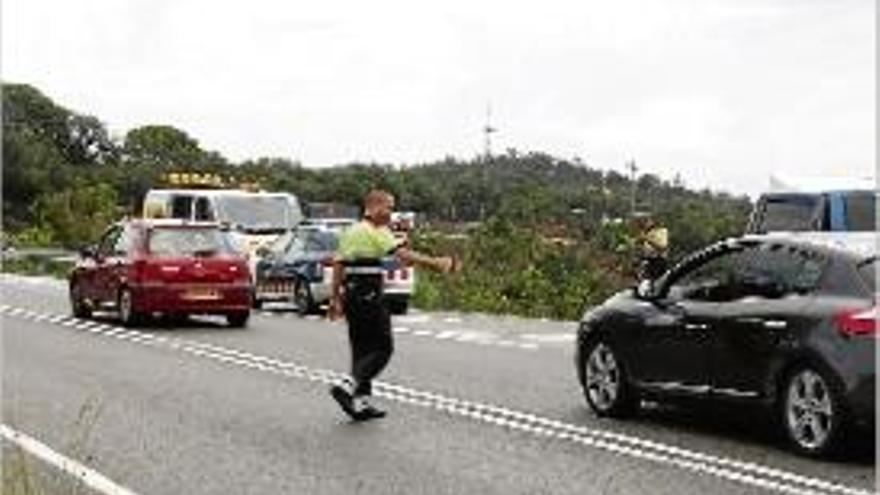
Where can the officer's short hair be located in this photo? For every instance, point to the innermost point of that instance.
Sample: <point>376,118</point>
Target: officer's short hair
<point>375,197</point>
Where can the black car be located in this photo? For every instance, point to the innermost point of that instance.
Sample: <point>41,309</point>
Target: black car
<point>776,322</point>
<point>297,268</point>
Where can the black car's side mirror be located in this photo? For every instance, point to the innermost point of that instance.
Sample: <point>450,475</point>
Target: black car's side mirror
<point>645,290</point>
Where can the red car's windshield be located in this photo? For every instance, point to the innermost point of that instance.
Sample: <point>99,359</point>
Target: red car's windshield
<point>171,242</point>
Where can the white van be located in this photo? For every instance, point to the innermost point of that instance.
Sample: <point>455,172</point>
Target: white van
<point>255,219</point>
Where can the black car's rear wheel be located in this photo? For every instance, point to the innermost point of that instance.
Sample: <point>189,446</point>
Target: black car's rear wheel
<point>78,304</point>
<point>606,384</point>
<point>302,297</point>
<point>813,415</point>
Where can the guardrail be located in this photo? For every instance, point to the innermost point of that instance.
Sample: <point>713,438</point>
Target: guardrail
<point>53,254</point>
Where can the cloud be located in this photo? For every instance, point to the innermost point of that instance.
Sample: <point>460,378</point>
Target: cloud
<point>720,91</point>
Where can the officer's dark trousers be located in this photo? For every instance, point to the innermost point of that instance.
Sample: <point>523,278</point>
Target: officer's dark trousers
<point>369,330</point>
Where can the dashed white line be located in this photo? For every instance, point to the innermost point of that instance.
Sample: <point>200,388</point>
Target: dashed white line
<point>413,319</point>
<point>730,469</point>
<point>550,337</point>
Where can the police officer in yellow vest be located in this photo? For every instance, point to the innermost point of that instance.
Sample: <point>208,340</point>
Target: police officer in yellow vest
<point>358,276</point>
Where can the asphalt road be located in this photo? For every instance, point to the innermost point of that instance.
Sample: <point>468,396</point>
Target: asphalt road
<point>477,404</point>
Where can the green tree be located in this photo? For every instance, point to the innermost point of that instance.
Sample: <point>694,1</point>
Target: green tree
<point>163,147</point>
<point>45,146</point>
<point>76,216</point>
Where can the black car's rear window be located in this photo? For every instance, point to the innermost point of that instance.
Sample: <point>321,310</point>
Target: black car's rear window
<point>176,241</point>
<point>861,211</point>
<point>790,214</point>
<point>321,241</point>
<point>310,243</point>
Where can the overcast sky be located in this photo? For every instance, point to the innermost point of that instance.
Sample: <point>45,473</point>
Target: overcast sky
<point>723,92</point>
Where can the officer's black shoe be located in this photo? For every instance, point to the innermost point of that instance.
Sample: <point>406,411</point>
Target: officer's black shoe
<point>344,399</point>
<point>364,411</point>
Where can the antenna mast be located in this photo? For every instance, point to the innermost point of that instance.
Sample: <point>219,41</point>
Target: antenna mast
<point>488,130</point>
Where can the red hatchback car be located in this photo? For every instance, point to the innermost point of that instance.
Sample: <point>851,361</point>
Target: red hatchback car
<point>176,268</point>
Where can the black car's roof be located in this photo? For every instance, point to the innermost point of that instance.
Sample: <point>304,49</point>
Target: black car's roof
<point>809,243</point>
<point>855,246</point>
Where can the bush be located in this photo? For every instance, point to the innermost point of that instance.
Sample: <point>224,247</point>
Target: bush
<point>38,265</point>
<point>514,270</point>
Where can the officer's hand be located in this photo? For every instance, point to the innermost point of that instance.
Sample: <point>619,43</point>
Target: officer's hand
<point>450,264</point>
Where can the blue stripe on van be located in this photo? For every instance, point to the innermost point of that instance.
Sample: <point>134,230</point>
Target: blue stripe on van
<point>837,212</point>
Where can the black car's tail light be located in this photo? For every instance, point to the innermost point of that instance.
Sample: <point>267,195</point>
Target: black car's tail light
<point>857,322</point>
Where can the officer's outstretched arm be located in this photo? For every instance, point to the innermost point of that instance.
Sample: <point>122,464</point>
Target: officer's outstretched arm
<point>442,264</point>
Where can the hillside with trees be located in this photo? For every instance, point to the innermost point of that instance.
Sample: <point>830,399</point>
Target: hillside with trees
<point>539,233</point>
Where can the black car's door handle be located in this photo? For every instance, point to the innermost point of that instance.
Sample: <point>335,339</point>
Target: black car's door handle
<point>768,324</point>
<point>775,324</point>
<point>696,326</point>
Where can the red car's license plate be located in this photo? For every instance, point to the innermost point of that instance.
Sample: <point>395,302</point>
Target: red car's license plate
<point>201,295</point>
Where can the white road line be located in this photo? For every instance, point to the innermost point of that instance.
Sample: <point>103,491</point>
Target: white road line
<point>83,474</point>
<point>401,329</point>
<point>30,314</point>
<point>413,318</point>
<point>116,330</point>
<point>550,337</point>
<point>726,468</point>
<point>423,333</point>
